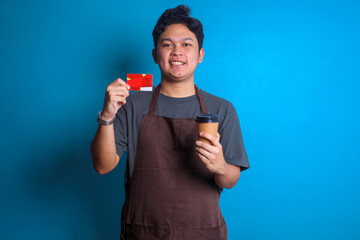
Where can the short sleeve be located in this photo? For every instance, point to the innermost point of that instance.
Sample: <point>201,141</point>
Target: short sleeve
<point>231,138</point>
<point>120,129</point>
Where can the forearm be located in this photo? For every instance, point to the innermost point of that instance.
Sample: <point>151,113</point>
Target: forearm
<point>228,177</point>
<point>103,149</point>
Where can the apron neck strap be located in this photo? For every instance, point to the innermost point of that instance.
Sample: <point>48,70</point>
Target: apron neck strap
<point>201,100</point>
<point>155,98</point>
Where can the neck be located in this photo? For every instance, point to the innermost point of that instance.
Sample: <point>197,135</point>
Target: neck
<point>177,89</point>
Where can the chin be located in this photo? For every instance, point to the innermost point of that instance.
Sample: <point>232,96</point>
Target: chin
<point>181,77</point>
<point>175,77</point>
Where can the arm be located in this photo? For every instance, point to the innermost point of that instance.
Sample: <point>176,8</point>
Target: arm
<point>103,148</point>
<point>226,175</point>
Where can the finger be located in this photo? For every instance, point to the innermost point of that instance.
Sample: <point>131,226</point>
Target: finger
<point>120,82</point>
<point>213,140</point>
<point>118,86</point>
<point>203,159</point>
<point>117,99</point>
<point>118,104</point>
<point>205,146</point>
<point>118,91</point>
<point>208,155</point>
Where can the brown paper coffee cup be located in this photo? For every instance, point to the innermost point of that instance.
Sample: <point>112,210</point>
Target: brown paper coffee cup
<point>207,123</point>
<point>210,128</point>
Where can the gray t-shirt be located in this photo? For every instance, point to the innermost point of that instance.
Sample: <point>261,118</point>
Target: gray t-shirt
<point>128,120</point>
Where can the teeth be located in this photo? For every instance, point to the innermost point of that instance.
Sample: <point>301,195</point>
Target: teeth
<point>177,63</point>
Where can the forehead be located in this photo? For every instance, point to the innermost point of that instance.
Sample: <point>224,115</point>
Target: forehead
<point>177,32</point>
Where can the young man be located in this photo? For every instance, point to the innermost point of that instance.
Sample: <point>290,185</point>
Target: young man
<point>173,182</point>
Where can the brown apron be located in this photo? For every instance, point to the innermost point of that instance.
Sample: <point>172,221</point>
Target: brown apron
<point>171,195</point>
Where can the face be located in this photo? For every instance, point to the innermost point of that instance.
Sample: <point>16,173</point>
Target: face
<point>177,53</point>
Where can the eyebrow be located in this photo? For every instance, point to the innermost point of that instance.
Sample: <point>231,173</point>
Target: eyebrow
<point>183,39</point>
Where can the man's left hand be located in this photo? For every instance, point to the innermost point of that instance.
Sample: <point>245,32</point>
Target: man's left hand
<point>211,155</point>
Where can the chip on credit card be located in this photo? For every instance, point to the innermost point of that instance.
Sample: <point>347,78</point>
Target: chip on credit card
<point>140,82</point>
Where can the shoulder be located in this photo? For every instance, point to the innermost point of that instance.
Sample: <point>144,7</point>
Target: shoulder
<point>216,103</point>
<point>222,107</point>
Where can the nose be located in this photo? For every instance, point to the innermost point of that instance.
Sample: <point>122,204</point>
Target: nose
<point>176,51</point>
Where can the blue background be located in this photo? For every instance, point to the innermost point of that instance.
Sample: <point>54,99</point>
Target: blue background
<point>291,69</point>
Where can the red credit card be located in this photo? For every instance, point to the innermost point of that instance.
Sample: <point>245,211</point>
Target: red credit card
<point>140,82</point>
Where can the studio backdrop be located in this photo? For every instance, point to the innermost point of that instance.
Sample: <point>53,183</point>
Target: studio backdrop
<point>290,68</point>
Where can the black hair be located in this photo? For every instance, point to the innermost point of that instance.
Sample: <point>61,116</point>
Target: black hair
<point>180,14</point>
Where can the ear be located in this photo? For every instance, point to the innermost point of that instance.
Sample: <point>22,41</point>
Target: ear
<point>154,54</point>
<point>201,55</point>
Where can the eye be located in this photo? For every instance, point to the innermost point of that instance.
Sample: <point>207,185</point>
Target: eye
<point>187,44</point>
<point>167,45</point>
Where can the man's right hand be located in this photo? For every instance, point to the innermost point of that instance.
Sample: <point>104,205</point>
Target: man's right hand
<point>115,97</point>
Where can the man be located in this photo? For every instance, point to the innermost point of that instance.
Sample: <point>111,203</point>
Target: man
<point>173,182</point>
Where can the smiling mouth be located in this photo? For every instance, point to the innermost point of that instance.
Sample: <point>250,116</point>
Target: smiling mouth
<point>177,63</point>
